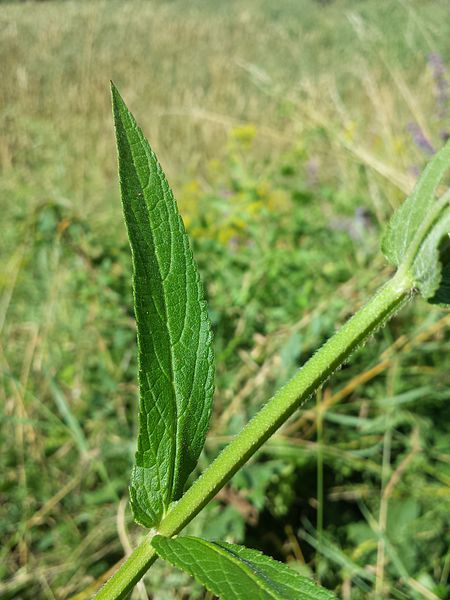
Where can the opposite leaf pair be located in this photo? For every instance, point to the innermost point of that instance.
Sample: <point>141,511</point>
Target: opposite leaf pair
<point>176,379</point>
<point>176,368</point>
<point>176,364</point>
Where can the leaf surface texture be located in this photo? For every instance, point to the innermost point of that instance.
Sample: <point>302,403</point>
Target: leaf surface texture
<point>176,369</point>
<point>417,236</point>
<point>237,573</point>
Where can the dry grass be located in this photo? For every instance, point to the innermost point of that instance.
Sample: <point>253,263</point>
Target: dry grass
<point>330,91</point>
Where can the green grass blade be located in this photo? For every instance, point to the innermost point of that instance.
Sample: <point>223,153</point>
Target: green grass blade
<point>69,418</point>
<point>237,573</point>
<point>174,336</point>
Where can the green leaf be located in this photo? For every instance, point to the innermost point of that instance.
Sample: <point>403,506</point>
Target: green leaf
<point>417,236</point>
<point>237,573</point>
<point>176,369</point>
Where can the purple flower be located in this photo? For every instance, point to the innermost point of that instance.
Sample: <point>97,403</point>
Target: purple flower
<point>441,88</point>
<point>420,139</point>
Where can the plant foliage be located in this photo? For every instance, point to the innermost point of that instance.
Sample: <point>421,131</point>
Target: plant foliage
<point>417,237</point>
<point>176,378</point>
<point>174,335</point>
<point>237,573</point>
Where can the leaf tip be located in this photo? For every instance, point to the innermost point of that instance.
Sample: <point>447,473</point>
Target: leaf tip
<point>114,90</point>
<point>117,101</point>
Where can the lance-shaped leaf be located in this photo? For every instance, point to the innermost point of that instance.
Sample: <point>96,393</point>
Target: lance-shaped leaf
<point>237,573</point>
<point>173,330</point>
<point>416,239</point>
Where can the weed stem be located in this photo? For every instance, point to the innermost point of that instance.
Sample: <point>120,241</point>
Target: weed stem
<point>383,305</point>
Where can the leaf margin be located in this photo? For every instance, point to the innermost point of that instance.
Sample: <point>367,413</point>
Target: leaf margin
<point>415,250</point>
<point>166,547</point>
<point>149,508</point>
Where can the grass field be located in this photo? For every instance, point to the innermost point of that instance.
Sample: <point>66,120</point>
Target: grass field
<point>289,132</point>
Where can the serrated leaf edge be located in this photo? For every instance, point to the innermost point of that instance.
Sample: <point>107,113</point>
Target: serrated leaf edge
<point>251,569</point>
<point>155,518</point>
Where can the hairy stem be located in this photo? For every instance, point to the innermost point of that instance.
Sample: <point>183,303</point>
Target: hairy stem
<point>388,300</point>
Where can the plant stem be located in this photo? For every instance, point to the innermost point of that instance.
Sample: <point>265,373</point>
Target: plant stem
<point>387,301</point>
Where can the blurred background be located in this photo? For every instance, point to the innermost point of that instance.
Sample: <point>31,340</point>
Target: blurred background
<point>289,132</point>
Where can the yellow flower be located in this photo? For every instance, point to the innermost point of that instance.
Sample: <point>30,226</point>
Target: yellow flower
<point>244,134</point>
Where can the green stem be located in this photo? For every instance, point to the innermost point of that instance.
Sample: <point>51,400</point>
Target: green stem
<point>388,300</point>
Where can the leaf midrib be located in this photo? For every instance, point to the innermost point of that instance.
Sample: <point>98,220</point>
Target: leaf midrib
<point>252,572</point>
<point>165,303</point>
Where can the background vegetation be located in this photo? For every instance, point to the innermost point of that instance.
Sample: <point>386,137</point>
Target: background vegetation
<point>289,132</point>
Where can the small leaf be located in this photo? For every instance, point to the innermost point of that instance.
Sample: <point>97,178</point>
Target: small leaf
<point>237,573</point>
<point>442,294</point>
<point>419,230</point>
<point>174,335</point>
